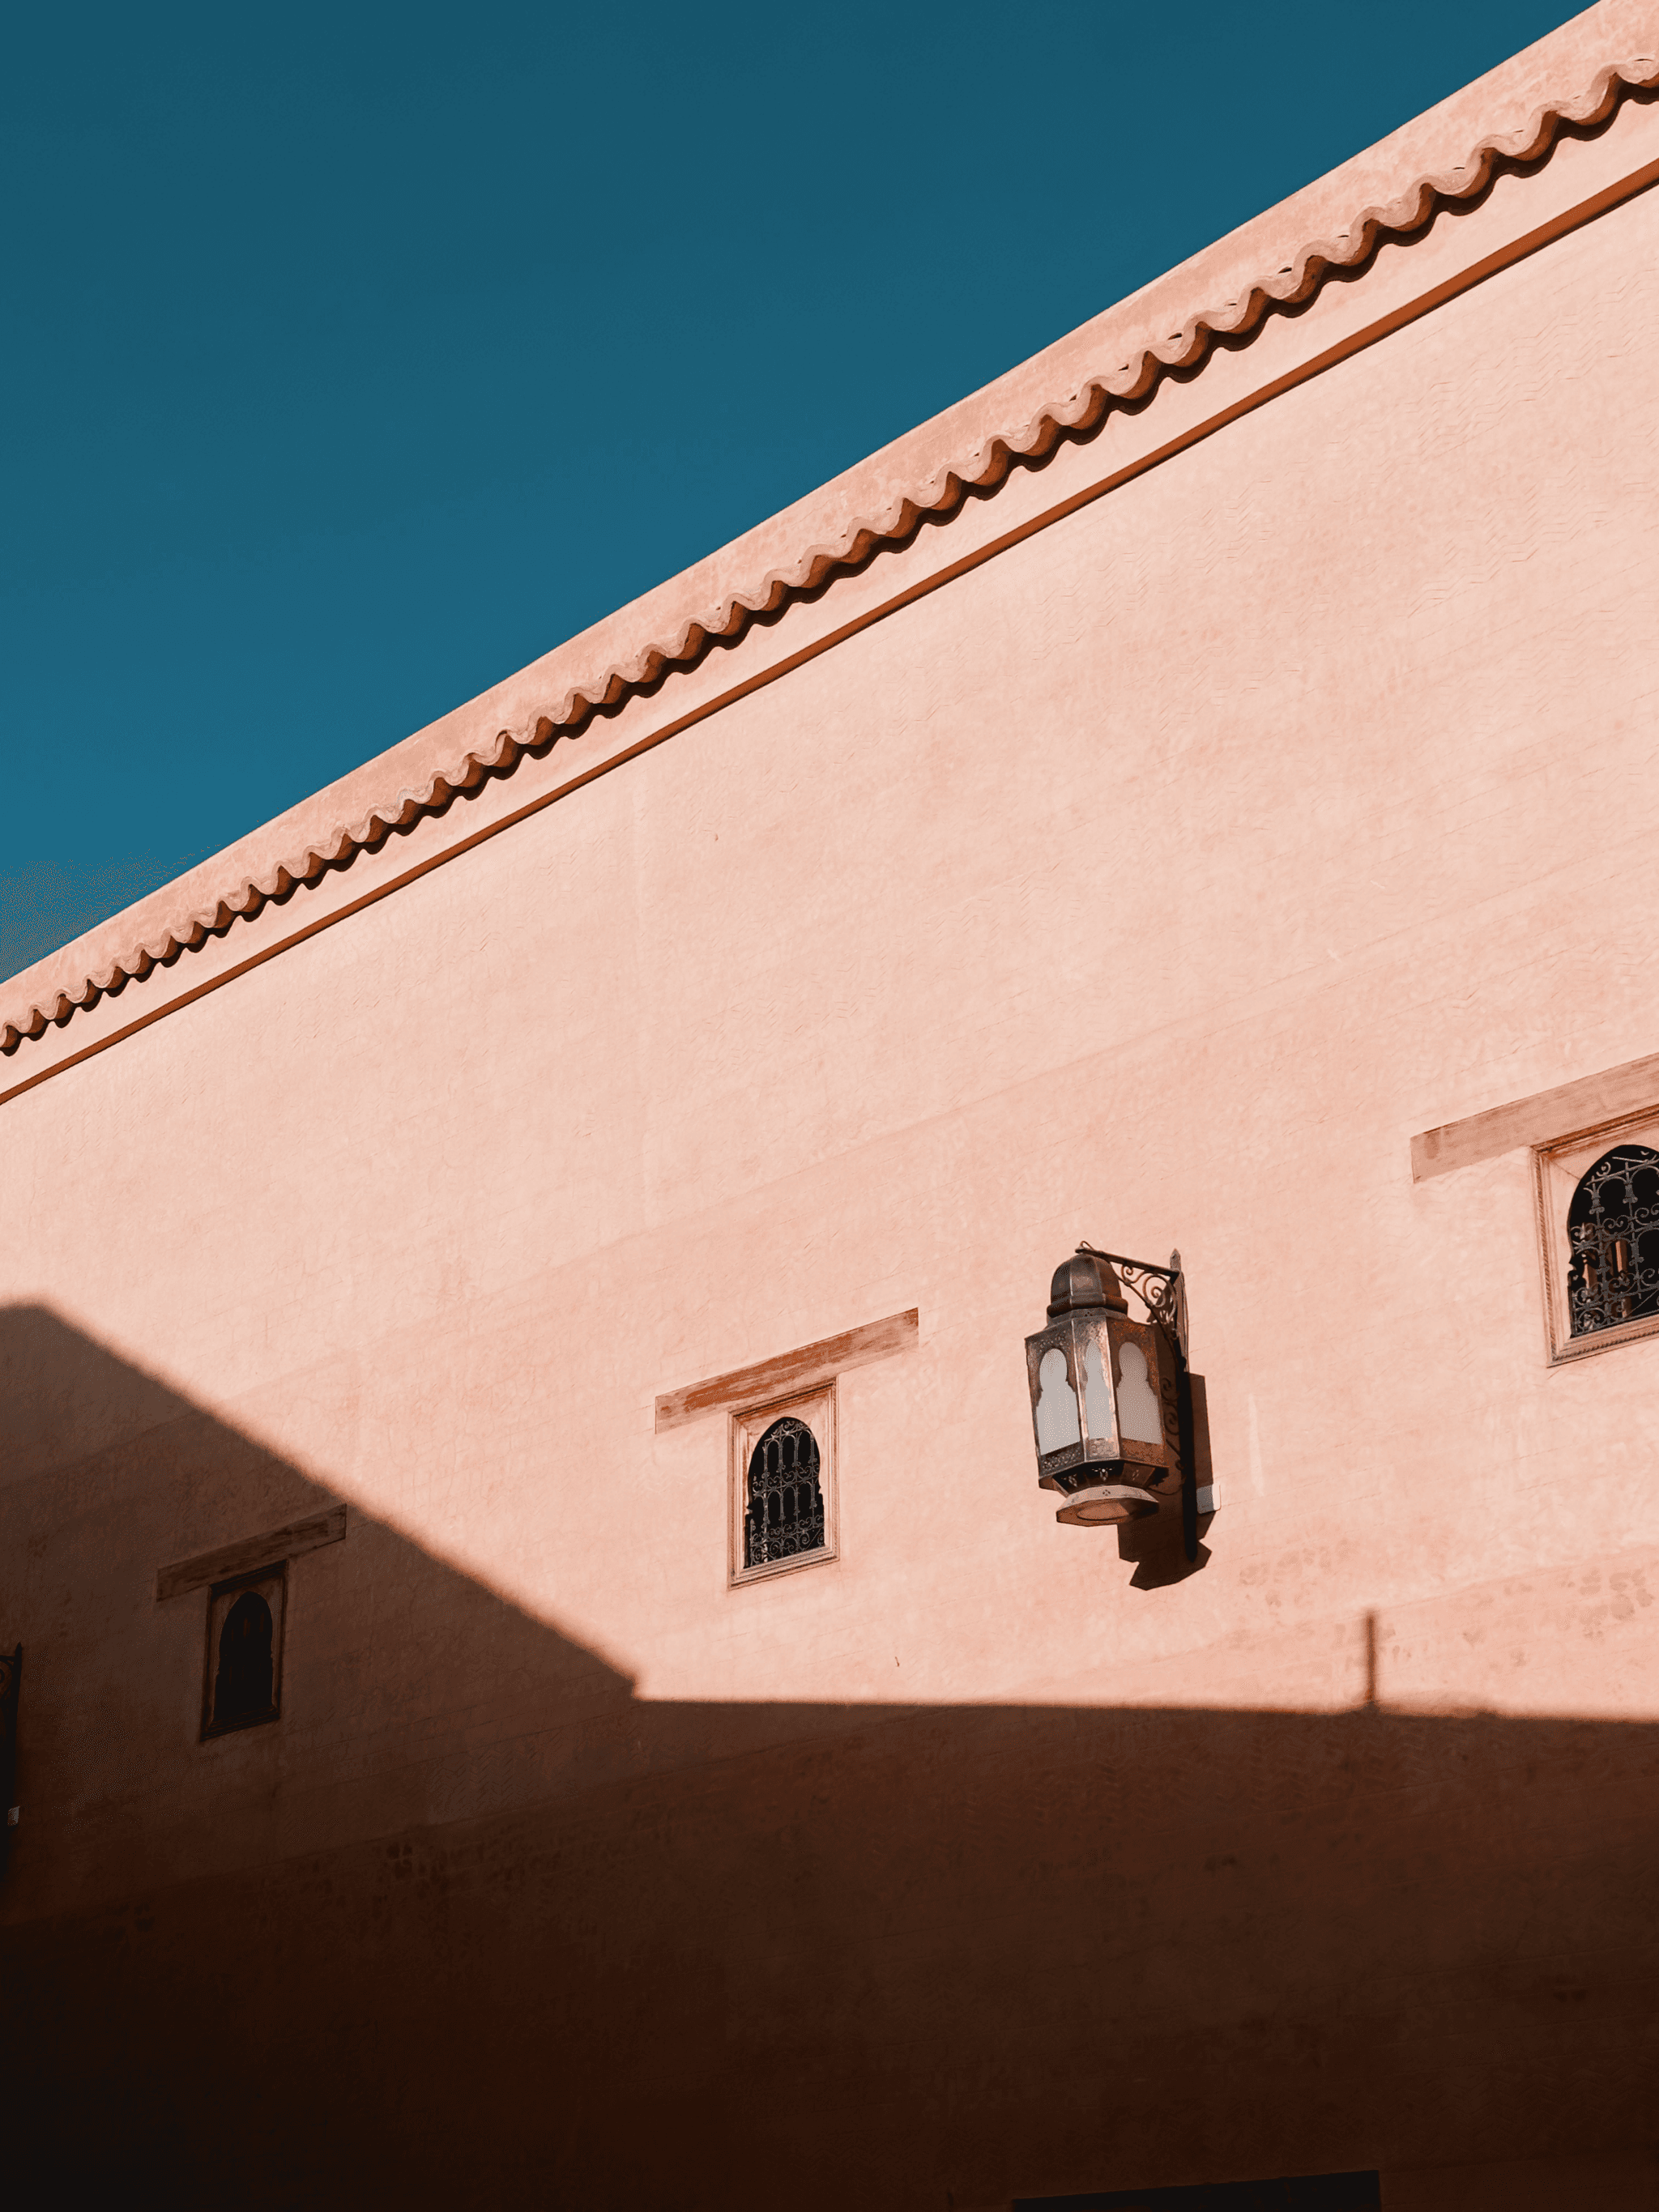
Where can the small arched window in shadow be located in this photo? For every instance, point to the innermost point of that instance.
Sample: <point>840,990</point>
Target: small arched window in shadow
<point>784,1507</point>
<point>244,1624</point>
<point>1612,1228</point>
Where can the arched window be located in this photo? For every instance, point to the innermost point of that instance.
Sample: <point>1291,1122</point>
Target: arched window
<point>784,1512</point>
<point>243,1683</point>
<point>1613,1227</point>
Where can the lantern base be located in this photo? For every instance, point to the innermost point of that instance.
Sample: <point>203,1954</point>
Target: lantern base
<point>1105,1504</point>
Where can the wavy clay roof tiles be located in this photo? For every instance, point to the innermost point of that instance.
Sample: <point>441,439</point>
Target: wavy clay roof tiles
<point>1570,83</point>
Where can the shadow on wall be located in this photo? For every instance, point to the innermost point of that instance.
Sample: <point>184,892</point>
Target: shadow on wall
<point>471,1925</point>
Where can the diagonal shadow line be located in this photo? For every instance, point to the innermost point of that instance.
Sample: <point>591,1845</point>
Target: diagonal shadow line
<point>473,1924</point>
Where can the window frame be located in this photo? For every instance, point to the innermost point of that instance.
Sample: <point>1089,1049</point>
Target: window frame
<point>221,1595</point>
<point>746,1425</point>
<point>1558,1168</point>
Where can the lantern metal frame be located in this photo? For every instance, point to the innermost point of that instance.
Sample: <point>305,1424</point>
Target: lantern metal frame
<point>1093,1475</point>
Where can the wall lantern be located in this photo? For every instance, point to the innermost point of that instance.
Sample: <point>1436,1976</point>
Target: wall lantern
<point>1111,1400</point>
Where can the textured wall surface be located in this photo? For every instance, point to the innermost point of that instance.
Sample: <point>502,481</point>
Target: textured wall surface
<point>1155,882</point>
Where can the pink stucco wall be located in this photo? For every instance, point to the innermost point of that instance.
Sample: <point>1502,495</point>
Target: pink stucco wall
<point>1155,881</point>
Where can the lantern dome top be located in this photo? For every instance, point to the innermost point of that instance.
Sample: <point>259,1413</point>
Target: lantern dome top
<point>1086,1280</point>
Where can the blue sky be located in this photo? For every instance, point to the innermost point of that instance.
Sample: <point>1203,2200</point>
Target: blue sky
<point>355,355</point>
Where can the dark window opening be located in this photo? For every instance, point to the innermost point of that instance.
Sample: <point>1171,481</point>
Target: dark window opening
<point>1613,1227</point>
<point>785,1508</point>
<point>244,1662</point>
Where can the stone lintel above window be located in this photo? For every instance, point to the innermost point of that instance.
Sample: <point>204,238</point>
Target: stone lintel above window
<point>800,1370</point>
<point>249,1553</point>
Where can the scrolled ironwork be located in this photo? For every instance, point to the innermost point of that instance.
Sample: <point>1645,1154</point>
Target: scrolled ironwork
<point>784,1509</point>
<point>1163,1290</point>
<point>1612,1231</point>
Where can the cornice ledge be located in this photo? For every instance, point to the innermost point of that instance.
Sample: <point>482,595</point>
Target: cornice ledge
<point>361,811</point>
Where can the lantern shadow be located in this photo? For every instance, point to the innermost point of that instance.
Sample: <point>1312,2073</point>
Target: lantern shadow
<point>1160,1546</point>
<point>1157,1547</point>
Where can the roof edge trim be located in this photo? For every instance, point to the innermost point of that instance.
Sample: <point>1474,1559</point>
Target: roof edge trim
<point>52,993</point>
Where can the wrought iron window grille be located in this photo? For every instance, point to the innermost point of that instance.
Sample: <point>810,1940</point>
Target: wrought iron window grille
<point>783,1516</point>
<point>1612,1230</point>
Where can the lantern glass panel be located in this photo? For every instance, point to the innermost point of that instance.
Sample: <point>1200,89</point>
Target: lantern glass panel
<point>1057,1406</point>
<point>1096,1390</point>
<point>1141,1417</point>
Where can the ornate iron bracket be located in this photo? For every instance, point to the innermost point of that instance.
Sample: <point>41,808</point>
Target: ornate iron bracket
<point>1163,1291</point>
